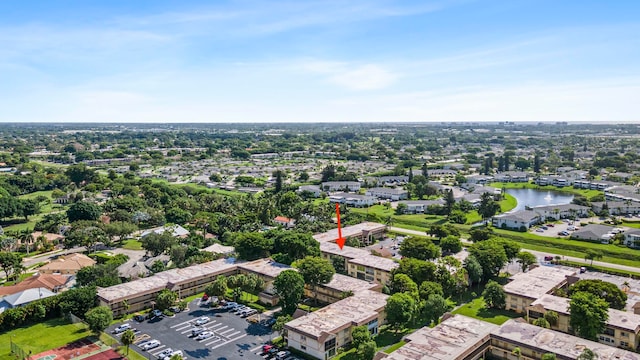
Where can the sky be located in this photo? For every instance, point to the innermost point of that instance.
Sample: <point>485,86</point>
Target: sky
<point>159,61</point>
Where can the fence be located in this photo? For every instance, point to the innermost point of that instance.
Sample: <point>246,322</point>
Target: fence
<point>18,351</point>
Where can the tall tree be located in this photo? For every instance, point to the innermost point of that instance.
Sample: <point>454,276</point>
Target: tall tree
<point>98,318</point>
<point>360,335</point>
<point>491,256</point>
<point>419,248</point>
<point>536,163</point>
<point>526,259</point>
<point>593,255</point>
<point>278,174</point>
<point>217,288</point>
<point>400,309</point>
<point>609,292</point>
<point>128,338</point>
<point>157,244</point>
<point>488,206</point>
<point>252,246</point>
<point>494,295</point>
<point>9,262</point>
<point>588,315</point>
<point>450,201</point>
<point>289,285</point>
<point>403,283</point>
<point>316,271</point>
<point>434,307</point>
<point>165,299</point>
<point>451,244</point>
<point>83,210</point>
<point>474,269</point>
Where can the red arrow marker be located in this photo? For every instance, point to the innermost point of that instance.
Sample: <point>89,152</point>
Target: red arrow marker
<point>340,240</point>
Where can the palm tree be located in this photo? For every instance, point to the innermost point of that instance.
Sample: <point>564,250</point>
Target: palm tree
<point>127,339</point>
<point>517,352</point>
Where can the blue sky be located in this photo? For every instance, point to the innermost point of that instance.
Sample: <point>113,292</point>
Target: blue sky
<point>319,61</point>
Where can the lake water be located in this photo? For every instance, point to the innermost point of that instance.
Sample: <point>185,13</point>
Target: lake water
<point>533,197</point>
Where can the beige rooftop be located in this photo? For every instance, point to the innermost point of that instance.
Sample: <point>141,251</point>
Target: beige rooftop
<point>561,344</point>
<point>537,282</point>
<point>451,339</point>
<point>69,262</point>
<point>161,280</point>
<point>361,307</point>
<point>618,318</point>
<point>349,231</point>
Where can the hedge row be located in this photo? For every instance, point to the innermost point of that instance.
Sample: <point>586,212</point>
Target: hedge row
<point>631,255</point>
<point>601,269</point>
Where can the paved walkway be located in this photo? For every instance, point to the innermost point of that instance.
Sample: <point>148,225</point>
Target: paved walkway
<point>538,254</point>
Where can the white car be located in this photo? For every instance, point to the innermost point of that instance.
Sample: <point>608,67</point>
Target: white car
<point>177,352</point>
<point>204,335</point>
<point>151,345</point>
<point>165,352</point>
<point>122,328</point>
<point>201,321</point>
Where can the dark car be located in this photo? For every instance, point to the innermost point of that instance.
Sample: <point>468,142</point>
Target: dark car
<point>139,318</point>
<point>548,258</point>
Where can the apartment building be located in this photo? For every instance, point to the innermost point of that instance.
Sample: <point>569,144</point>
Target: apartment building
<point>360,263</point>
<point>525,288</point>
<point>622,328</point>
<point>388,193</point>
<point>321,333</point>
<point>340,186</point>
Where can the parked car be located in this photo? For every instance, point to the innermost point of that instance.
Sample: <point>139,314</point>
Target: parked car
<point>139,318</point>
<point>197,331</point>
<point>267,347</point>
<point>151,345</point>
<point>270,322</point>
<point>563,233</point>
<point>165,352</point>
<point>122,328</point>
<point>177,352</point>
<point>583,270</point>
<point>156,313</point>
<point>550,225</point>
<point>203,320</point>
<point>239,309</point>
<point>248,313</point>
<point>539,230</point>
<point>545,228</point>
<point>548,258</point>
<point>230,305</point>
<point>204,335</point>
<point>282,355</point>
<point>175,309</point>
<point>270,353</point>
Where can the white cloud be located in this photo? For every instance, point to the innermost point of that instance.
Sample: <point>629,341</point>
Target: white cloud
<point>352,76</point>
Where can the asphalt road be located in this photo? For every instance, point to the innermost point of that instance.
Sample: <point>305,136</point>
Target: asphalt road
<point>538,254</point>
<point>238,339</point>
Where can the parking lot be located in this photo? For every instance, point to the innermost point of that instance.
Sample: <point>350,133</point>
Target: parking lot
<point>556,229</point>
<point>234,337</point>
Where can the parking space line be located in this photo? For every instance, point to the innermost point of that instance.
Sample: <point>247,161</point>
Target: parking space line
<point>226,331</point>
<point>218,329</point>
<point>182,323</point>
<point>186,331</point>
<point>232,334</point>
<point>228,341</point>
<point>213,342</point>
<point>213,327</point>
<point>155,351</point>
<point>256,348</point>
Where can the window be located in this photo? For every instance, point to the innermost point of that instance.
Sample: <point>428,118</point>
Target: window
<point>360,268</point>
<point>330,344</point>
<point>623,334</point>
<point>302,347</point>
<point>624,343</point>
<point>303,338</point>
<point>609,331</point>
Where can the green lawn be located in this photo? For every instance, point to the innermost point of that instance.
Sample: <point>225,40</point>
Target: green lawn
<point>132,244</point>
<point>34,195</point>
<point>476,309</point>
<point>38,338</point>
<point>508,203</point>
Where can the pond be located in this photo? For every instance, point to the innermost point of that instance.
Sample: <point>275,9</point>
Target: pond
<point>533,197</point>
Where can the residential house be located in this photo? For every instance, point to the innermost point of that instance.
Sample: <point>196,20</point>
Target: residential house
<point>479,179</point>
<point>420,206</point>
<point>284,222</point>
<point>313,189</point>
<point>24,297</point>
<point>366,232</point>
<point>512,176</point>
<point>353,199</point>
<point>564,211</point>
<point>388,193</point>
<point>518,220</point>
<point>632,238</point>
<point>593,232</point>
<point>622,328</point>
<point>51,282</point>
<point>67,265</point>
<point>616,207</point>
<point>525,288</point>
<point>175,231</point>
<point>360,263</point>
<point>321,333</point>
<point>347,186</point>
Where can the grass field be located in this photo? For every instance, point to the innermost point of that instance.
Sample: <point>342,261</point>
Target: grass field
<point>38,338</point>
<point>132,244</point>
<point>509,202</point>
<point>476,309</point>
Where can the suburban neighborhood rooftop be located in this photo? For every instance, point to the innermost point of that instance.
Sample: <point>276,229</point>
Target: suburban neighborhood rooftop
<point>537,282</point>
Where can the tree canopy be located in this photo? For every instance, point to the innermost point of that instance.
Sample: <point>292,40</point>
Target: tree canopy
<point>588,314</point>
<point>607,291</point>
<point>289,285</point>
